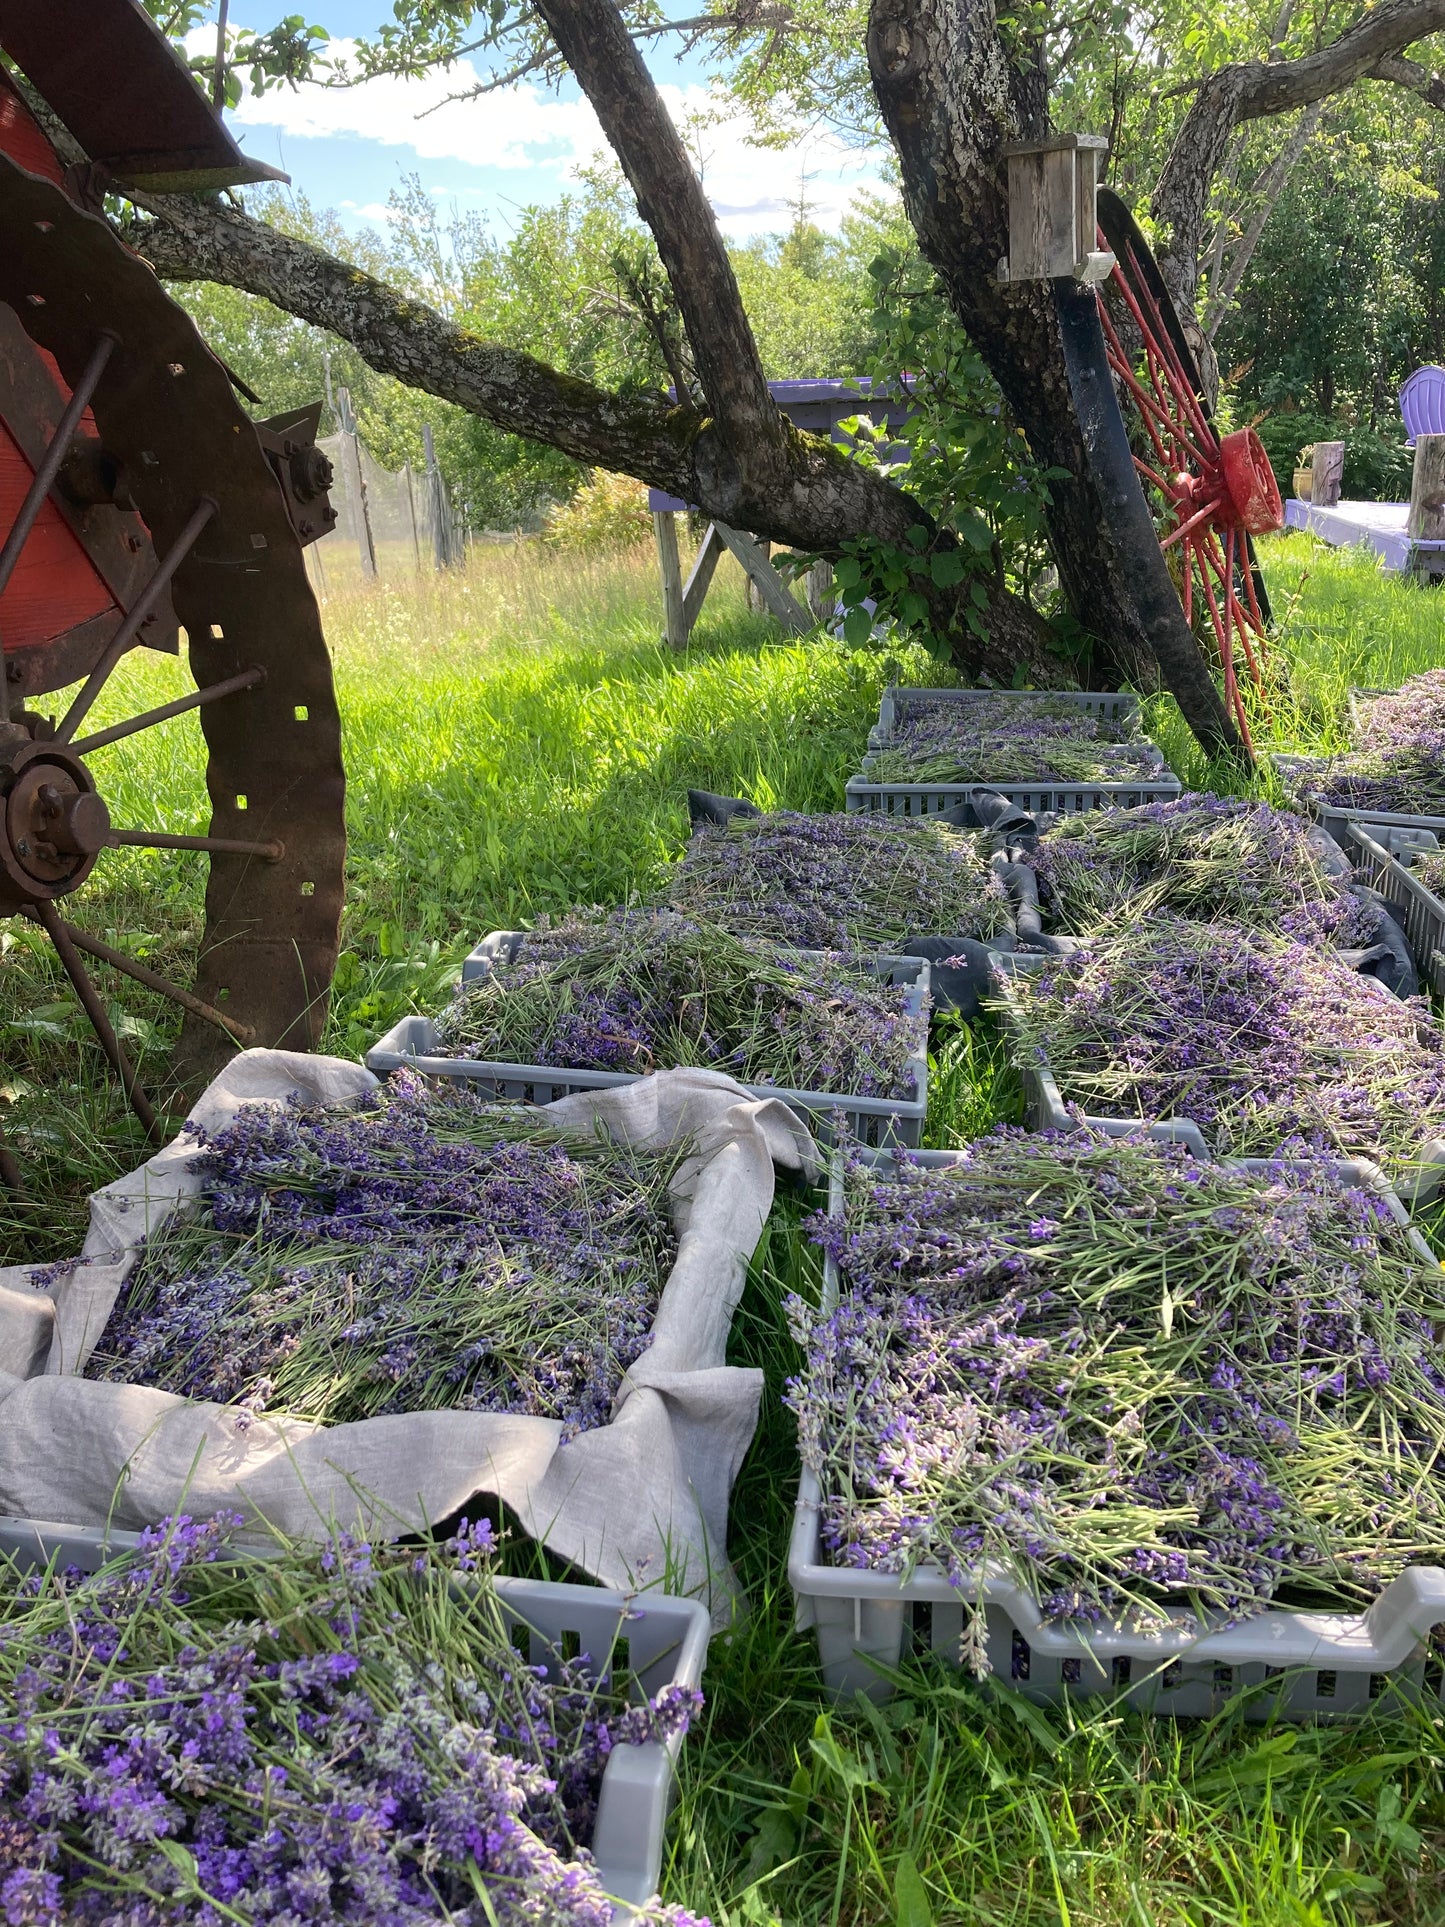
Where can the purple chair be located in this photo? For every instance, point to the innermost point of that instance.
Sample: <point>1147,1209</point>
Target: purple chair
<point>1422,403</point>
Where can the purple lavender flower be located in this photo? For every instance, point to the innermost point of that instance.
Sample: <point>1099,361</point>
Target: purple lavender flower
<point>416,1251</point>
<point>1197,1392</point>
<point>866,882</point>
<point>191,1739</point>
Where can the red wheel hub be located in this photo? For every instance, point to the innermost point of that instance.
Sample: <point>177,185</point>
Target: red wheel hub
<point>1251,492</point>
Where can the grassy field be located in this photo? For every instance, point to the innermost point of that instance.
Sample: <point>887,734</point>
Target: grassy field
<point>517,741</point>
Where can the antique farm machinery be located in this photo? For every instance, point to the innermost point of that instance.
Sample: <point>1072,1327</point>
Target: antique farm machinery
<point>1183,502</point>
<point>139,503</point>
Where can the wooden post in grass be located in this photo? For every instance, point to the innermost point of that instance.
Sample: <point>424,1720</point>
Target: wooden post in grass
<point>1329,469</point>
<point>1426,520</point>
<point>674,625</point>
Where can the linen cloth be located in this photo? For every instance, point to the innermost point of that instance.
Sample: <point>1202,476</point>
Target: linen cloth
<point>639,1502</point>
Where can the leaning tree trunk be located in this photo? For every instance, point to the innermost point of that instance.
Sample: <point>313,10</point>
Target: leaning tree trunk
<point>951,97</point>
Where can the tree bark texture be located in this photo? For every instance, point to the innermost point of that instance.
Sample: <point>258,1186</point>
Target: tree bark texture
<point>951,96</point>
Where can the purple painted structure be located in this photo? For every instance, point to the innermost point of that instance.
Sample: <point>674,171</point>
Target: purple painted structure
<point>817,407</point>
<point>1422,402</point>
<point>1379,525</point>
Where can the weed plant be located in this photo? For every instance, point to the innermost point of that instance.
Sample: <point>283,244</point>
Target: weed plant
<point>517,741</point>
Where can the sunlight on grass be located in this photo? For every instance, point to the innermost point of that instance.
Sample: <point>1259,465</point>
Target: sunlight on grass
<point>517,739</point>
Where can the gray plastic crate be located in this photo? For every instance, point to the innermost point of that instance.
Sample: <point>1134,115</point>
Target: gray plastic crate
<point>1395,829</point>
<point>1328,1664</point>
<point>899,700</point>
<point>1389,873</point>
<point>1048,1111</point>
<point>861,793</point>
<point>412,1044</point>
<point>666,1644</point>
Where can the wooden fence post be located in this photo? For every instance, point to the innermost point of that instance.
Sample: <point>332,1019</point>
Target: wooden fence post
<point>1426,520</point>
<point>669,561</point>
<point>355,483</point>
<point>1329,469</point>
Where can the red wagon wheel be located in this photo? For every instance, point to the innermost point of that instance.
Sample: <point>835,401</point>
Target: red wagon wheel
<point>1209,494</point>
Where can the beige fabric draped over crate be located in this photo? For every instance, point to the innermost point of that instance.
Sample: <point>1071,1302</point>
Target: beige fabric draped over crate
<point>635,1502</point>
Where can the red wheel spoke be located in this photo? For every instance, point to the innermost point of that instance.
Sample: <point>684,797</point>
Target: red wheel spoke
<point>1225,563</point>
<point>1184,449</point>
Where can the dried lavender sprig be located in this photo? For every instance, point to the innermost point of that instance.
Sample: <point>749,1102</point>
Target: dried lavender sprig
<point>642,991</point>
<point>866,881</point>
<point>336,1733</point>
<point>1256,1037</point>
<point>1397,763</point>
<point>416,1251</point>
<point>1198,856</point>
<point>1010,739</point>
<point>1136,1382</point>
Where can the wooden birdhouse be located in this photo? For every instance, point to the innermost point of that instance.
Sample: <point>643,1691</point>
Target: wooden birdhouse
<point>1052,227</point>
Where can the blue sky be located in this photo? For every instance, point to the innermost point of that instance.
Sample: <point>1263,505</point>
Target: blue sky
<point>347,149</point>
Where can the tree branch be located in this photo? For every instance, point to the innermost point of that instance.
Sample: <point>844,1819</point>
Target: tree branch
<point>1223,287</point>
<point>1252,90</point>
<point>607,65</point>
<point>1409,73</point>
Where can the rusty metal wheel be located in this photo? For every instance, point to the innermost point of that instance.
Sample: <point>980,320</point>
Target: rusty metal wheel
<point>137,501</point>
<point>1209,494</point>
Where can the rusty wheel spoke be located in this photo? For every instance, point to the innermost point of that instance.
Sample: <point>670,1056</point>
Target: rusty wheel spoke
<point>148,718</point>
<point>216,845</point>
<point>50,920</point>
<point>152,980</point>
<point>142,607</point>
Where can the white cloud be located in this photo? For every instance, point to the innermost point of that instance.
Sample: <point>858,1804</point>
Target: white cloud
<point>527,129</point>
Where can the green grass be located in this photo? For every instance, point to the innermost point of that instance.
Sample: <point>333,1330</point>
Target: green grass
<point>517,742</point>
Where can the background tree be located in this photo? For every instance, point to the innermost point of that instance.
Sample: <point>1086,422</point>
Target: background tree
<point>952,80</point>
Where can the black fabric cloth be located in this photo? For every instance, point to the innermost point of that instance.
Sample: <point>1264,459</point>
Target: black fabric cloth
<point>703,807</point>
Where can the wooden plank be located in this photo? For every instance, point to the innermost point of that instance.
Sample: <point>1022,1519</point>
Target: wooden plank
<point>674,624</point>
<point>700,577</point>
<point>1426,519</point>
<point>1328,473</point>
<point>770,585</point>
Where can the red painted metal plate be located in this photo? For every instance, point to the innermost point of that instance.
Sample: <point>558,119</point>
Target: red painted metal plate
<point>54,587</point>
<point>1249,480</point>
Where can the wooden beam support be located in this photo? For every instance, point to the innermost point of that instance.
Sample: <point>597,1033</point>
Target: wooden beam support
<point>699,580</point>
<point>674,624</point>
<point>770,585</point>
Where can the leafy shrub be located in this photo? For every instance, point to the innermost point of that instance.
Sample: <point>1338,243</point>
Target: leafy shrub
<point>1377,466</point>
<point>606,514</point>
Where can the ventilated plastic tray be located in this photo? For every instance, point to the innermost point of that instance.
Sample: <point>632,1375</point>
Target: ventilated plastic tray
<point>1323,1665</point>
<point>657,1640</point>
<point>1364,844</point>
<point>1049,1110</point>
<point>1396,830</point>
<point>412,1044</point>
<point>861,793</point>
<point>1114,705</point>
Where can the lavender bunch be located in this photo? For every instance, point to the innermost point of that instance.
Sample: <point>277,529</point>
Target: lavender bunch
<point>1258,1038</point>
<point>864,882</point>
<point>1428,867</point>
<point>1134,1382</point>
<point>1398,761</point>
<point>1198,856</point>
<point>1011,739</point>
<point>194,1738</point>
<point>416,1251</point>
<point>638,991</point>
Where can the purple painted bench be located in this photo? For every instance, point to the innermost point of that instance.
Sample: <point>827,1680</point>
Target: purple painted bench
<point>817,407</point>
<point>1422,403</point>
